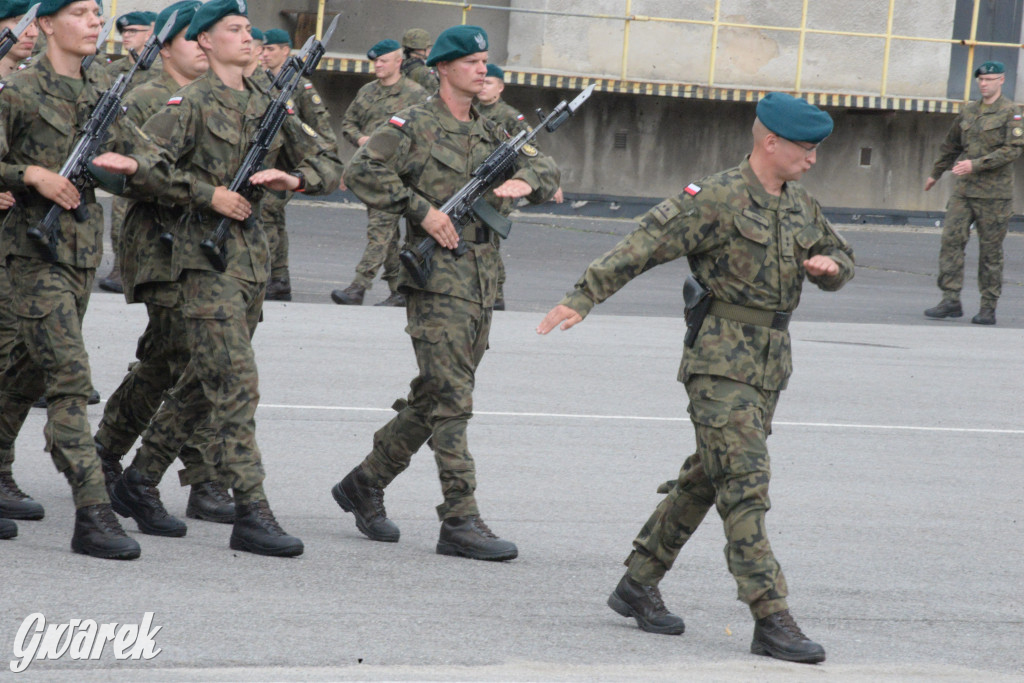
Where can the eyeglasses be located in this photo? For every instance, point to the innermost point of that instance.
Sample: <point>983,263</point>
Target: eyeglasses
<point>807,147</point>
<point>989,79</point>
<point>128,32</point>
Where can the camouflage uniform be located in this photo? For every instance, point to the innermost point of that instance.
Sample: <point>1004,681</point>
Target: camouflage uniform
<point>162,350</point>
<point>40,113</point>
<point>747,247</point>
<point>406,167</point>
<point>992,137</point>
<point>202,139</point>
<point>373,105</point>
<point>416,69</point>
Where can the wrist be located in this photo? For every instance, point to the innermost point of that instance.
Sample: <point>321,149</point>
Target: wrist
<point>299,176</point>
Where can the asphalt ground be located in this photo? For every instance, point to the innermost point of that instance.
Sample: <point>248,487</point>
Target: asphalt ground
<point>896,458</point>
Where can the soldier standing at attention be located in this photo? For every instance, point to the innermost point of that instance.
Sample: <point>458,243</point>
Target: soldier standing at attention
<point>14,503</point>
<point>162,350</point>
<point>751,235</point>
<point>203,134</point>
<point>373,105</point>
<point>135,28</point>
<point>41,110</point>
<point>986,138</point>
<point>409,167</point>
<point>416,45</point>
<point>277,47</point>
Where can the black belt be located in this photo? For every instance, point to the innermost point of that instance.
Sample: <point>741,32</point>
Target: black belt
<point>482,235</point>
<point>777,320</point>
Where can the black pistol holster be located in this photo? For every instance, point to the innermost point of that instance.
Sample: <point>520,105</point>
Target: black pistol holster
<point>696,303</point>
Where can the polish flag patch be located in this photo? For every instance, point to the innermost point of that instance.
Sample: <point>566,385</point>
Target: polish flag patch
<point>520,117</point>
<point>397,121</point>
<point>692,189</point>
<point>175,100</point>
<point>308,86</point>
<point>1016,117</point>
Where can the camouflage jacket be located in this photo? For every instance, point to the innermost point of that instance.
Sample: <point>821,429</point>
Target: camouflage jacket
<point>311,109</point>
<point>743,244</point>
<point>505,115</point>
<point>122,66</point>
<point>992,137</point>
<point>417,70</point>
<point>420,158</point>
<point>40,117</point>
<point>203,133</point>
<point>375,103</point>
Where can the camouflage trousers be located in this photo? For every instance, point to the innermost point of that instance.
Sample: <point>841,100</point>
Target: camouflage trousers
<point>118,211</point>
<point>990,217</point>
<point>382,235</point>
<point>277,235</point>
<point>162,355</point>
<point>731,471</point>
<point>49,358</point>
<point>219,386</point>
<point>8,336</point>
<point>449,336</point>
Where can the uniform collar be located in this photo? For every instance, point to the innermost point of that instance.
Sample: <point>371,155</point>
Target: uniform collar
<point>52,83</point>
<point>449,122</point>
<point>761,197</point>
<point>225,96</point>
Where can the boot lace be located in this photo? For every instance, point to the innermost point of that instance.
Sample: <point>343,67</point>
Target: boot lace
<point>482,527</point>
<point>106,521</point>
<point>265,517</point>
<point>377,500</point>
<point>219,493</point>
<point>787,623</point>
<point>9,487</point>
<point>654,595</point>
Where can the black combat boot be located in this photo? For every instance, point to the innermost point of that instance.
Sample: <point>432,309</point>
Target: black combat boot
<point>98,533</point>
<point>210,501</point>
<point>986,316</point>
<point>397,299</point>
<point>356,495</point>
<point>945,309</point>
<point>499,304</point>
<point>350,296</point>
<point>644,603</point>
<point>256,531</point>
<point>112,282</point>
<point>110,462</point>
<point>279,289</point>
<point>470,537</point>
<point>137,497</point>
<point>15,503</point>
<point>777,635</point>
<point>8,529</point>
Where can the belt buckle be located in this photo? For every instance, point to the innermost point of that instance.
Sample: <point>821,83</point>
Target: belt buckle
<point>780,321</point>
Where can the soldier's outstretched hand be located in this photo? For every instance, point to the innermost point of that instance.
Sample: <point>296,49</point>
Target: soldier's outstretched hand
<point>230,204</point>
<point>513,188</point>
<point>560,314</point>
<point>821,265</point>
<point>275,179</point>
<point>116,163</point>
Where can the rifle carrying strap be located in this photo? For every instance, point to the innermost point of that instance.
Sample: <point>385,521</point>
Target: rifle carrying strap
<point>777,320</point>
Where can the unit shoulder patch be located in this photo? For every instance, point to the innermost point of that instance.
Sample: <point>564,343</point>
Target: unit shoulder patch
<point>308,129</point>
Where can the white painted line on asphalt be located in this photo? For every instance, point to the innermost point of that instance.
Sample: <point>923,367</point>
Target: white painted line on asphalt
<point>648,418</point>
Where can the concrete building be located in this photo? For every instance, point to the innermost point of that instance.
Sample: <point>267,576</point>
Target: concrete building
<point>678,81</point>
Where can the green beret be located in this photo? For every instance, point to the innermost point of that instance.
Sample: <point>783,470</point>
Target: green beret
<point>456,42</point>
<point>186,9</point>
<point>134,19</point>
<point>793,118</point>
<point>276,36</point>
<point>212,12</point>
<point>13,8</point>
<point>382,48</point>
<point>49,7</point>
<point>416,39</point>
<point>990,68</point>
<point>495,71</point>
<point>256,33</point>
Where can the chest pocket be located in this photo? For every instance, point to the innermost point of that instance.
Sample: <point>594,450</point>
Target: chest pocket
<point>805,239</point>
<point>745,257</point>
<point>444,172</point>
<point>218,154</point>
<point>48,138</point>
<point>991,131</point>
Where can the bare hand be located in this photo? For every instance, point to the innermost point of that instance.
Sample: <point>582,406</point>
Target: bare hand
<point>53,186</point>
<point>821,265</point>
<point>362,140</point>
<point>230,204</point>
<point>559,314</point>
<point>929,184</point>
<point>513,188</point>
<point>558,197</point>
<point>440,227</point>
<point>116,163</point>
<point>6,200</point>
<point>965,167</point>
<point>275,179</point>
<point>342,186</point>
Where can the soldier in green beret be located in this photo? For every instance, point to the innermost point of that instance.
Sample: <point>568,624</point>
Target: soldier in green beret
<point>409,167</point>
<point>41,109</point>
<point>14,503</point>
<point>202,135</point>
<point>751,235</point>
<point>416,44</point>
<point>310,107</point>
<point>985,139</point>
<point>373,105</point>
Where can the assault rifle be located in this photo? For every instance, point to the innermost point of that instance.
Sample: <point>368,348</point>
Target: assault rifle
<point>94,134</point>
<point>468,203</point>
<point>9,36</point>
<point>273,118</point>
